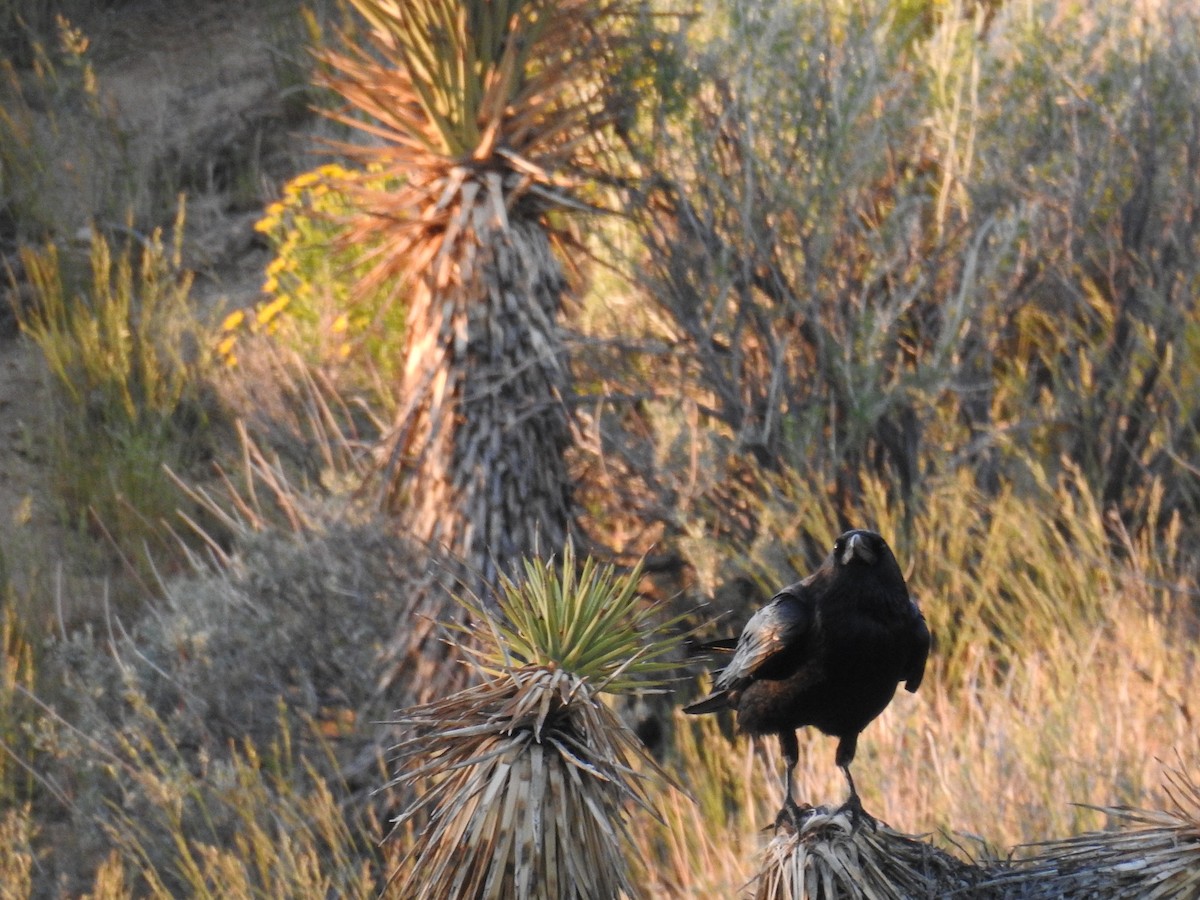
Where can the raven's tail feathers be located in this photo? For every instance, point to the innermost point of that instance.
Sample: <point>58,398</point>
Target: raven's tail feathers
<point>694,647</point>
<point>712,703</point>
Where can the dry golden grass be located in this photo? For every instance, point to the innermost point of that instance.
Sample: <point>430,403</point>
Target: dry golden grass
<point>1059,687</point>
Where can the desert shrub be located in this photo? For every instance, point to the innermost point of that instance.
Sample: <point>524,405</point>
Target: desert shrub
<point>128,358</point>
<point>240,709</point>
<point>310,302</point>
<point>1090,335</point>
<point>972,248</point>
<point>50,104</point>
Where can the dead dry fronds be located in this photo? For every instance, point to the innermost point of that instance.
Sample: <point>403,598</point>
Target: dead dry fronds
<point>529,774</point>
<point>1151,854</point>
<point>828,859</point>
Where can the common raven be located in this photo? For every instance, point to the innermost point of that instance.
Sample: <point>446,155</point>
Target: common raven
<point>827,651</point>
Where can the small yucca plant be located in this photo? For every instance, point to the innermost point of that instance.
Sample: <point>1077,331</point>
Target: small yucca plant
<point>527,775</point>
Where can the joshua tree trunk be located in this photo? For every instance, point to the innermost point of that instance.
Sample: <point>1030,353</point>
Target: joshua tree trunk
<point>479,444</point>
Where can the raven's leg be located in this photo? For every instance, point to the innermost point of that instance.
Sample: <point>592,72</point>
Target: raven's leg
<point>845,755</point>
<point>790,812</point>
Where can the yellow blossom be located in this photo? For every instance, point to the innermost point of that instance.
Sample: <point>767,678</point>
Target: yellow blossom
<point>271,218</point>
<point>233,320</point>
<point>333,171</point>
<point>271,310</point>
<point>300,182</point>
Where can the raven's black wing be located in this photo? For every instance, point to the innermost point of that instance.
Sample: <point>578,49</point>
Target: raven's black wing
<point>773,631</point>
<point>919,652</point>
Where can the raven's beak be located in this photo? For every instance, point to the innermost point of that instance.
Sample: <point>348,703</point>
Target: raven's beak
<point>857,546</point>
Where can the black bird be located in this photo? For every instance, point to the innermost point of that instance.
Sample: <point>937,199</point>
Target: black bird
<point>827,651</point>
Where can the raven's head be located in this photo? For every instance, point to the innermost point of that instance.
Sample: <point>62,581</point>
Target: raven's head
<point>860,547</point>
<point>860,554</point>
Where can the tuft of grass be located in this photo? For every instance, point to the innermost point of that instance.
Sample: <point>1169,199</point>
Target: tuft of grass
<point>242,828</point>
<point>50,106</point>
<point>16,851</point>
<point>17,680</point>
<point>128,359</point>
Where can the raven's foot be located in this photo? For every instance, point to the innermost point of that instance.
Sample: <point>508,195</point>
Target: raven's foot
<point>793,815</point>
<point>858,815</point>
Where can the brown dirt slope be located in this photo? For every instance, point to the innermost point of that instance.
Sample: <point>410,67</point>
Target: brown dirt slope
<point>194,90</point>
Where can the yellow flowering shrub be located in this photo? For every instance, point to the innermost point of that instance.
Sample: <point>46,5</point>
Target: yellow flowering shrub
<point>308,297</point>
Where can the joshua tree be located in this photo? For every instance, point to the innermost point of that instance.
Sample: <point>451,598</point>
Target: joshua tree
<point>482,112</point>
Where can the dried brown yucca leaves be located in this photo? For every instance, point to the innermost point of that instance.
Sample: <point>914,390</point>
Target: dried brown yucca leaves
<point>1154,855</point>
<point>526,778</point>
<point>471,103</point>
<point>528,774</point>
<point>828,860</point>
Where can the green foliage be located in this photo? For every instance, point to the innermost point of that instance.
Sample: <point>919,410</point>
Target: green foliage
<point>966,251</point>
<point>586,619</point>
<point>128,359</point>
<point>310,300</point>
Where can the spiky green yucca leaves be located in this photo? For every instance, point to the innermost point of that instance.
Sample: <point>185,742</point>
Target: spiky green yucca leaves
<point>587,620</point>
<point>527,776</point>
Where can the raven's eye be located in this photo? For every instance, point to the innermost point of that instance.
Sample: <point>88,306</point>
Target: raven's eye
<point>838,546</point>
